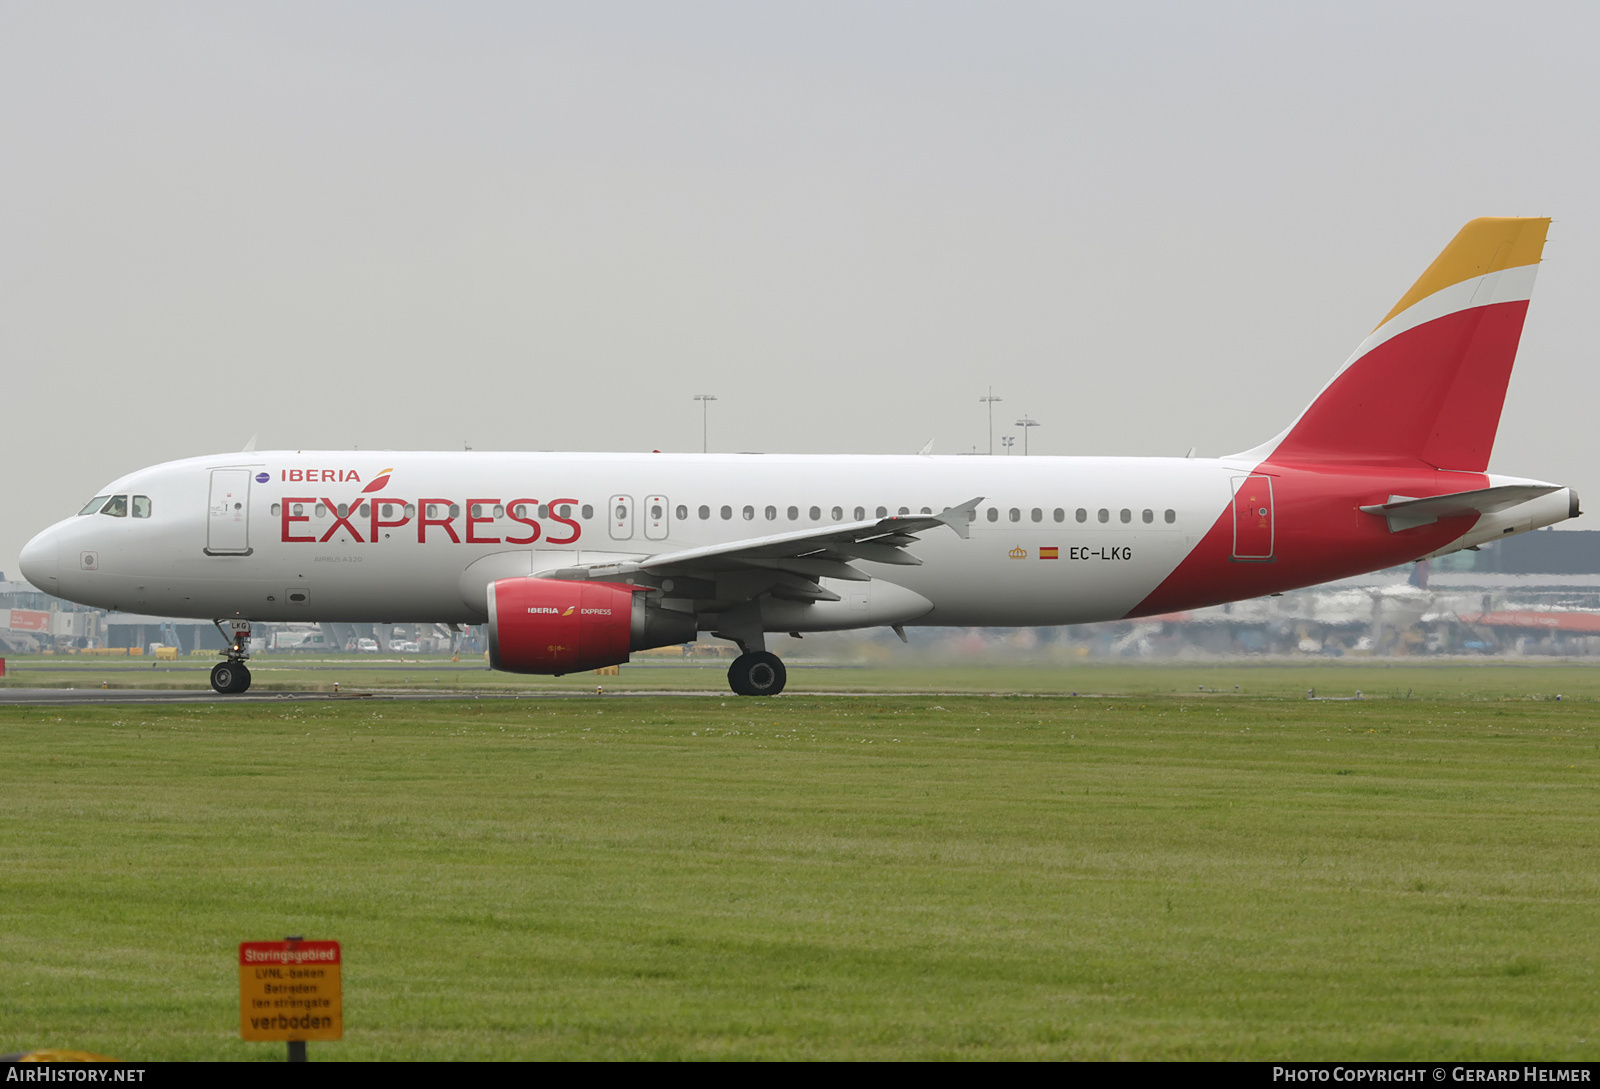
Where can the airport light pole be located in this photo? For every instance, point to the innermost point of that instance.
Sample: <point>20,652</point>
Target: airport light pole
<point>1006,441</point>
<point>1026,423</point>
<point>990,400</point>
<point>705,400</point>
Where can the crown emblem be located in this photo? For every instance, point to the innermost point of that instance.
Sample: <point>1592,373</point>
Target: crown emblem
<point>1018,553</point>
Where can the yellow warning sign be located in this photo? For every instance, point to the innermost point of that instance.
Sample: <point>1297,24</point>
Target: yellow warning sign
<point>290,991</point>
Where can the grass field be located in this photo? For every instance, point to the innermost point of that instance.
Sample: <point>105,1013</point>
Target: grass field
<point>1152,872</point>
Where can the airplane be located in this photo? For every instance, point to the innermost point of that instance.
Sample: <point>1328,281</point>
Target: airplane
<point>574,560</point>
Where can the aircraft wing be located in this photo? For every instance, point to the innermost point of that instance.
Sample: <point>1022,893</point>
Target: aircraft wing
<point>1404,512</point>
<point>795,561</point>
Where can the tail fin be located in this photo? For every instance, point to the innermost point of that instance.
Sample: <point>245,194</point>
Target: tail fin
<point>1428,384</point>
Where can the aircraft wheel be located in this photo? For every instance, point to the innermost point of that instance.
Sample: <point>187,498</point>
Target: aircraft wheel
<point>230,678</point>
<point>757,674</point>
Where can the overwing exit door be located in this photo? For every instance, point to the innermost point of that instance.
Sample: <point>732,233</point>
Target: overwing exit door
<point>228,515</point>
<point>621,513</point>
<point>656,515</point>
<point>1252,519</point>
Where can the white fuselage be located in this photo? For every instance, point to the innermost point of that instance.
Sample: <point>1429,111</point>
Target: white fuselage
<point>161,563</point>
<point>1054,540</point>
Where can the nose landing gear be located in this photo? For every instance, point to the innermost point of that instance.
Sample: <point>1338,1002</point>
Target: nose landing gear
<point>231,676</point>
<point>757,673</point>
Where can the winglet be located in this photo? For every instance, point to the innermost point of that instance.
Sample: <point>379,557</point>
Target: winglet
<point>960,517</point>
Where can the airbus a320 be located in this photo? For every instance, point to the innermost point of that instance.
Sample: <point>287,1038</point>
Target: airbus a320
<point>575,560</point>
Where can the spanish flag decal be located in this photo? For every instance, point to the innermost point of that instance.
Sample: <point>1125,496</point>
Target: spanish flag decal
<point>1050,553</point>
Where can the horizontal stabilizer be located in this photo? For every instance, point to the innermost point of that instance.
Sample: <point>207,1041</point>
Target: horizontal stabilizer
<point>1406,513</point>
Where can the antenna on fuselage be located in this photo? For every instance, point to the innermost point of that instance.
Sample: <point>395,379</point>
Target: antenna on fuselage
<point>249,447</point>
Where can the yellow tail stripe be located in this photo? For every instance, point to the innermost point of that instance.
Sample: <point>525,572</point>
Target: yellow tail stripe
<point>1483,246</point>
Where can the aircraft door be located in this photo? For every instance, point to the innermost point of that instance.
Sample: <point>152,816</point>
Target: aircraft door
<point>228,515</point>
<point>620,510</point>
<point>656,517</point>
<point>1252,519</point>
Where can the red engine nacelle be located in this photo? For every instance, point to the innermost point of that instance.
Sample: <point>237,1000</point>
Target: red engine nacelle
<point>553,626</point>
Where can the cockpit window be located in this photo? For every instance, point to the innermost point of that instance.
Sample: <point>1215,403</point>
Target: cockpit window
<point>141,506</point>
<point>116,506</point>
<point>94,505</point>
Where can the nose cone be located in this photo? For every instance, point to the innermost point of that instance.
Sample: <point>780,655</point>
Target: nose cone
<point>39,561</point>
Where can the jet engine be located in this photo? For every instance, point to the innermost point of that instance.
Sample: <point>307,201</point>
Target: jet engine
<point>553,626</point>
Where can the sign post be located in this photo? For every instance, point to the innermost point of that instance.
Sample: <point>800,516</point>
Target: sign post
<point>291,991</point>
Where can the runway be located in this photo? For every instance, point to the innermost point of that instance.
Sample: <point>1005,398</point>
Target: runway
<point>68,697</point>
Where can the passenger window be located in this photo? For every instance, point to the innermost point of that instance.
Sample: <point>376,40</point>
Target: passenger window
<point>499,511</point>
<point>1038,515</point>
<point>563,511</point>
<point>275,509</point>
<point>299,510</point>
<point>544,510</point>
<point>1103,514</point>
<point>344,510</point>
<point>588,510</point>
<point>704,512</point>
<point>1061,515</point>
<point>861,514</point>
<point>904,511</point>
<point>994,515</point>
<point>141,506</point>
<point>655,512</point>
<point>477,510</point>
<point>117,507</point>
<point>1016,515</point>
<point>455,510</point>
<point>410,510</point>
<point>322,510</point>
<point>794,514</point>
<point>93,506</point>
<point>1171,516</point>
<point>883,512</point>
<point>772,514</point>
<point>1148,516</point>
<point>682,512</point>
<point>838,514</point>
<point>1081,515</point>
<point>927,510</point>
<point>816,514</point>
<point>749,513</point>
<point>1127,515</point>
<point>727,512</point>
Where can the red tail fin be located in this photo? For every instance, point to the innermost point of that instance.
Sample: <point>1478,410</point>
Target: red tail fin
<point>1427,386</point>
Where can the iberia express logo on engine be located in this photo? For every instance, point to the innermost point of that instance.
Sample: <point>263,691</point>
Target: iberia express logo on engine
<point>389,512</point>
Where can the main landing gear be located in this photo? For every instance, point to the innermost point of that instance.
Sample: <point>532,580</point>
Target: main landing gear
<point>757,673</point>
<point>231,676</point>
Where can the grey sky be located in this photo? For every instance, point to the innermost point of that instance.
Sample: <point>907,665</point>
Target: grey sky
<point>547,226</point>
